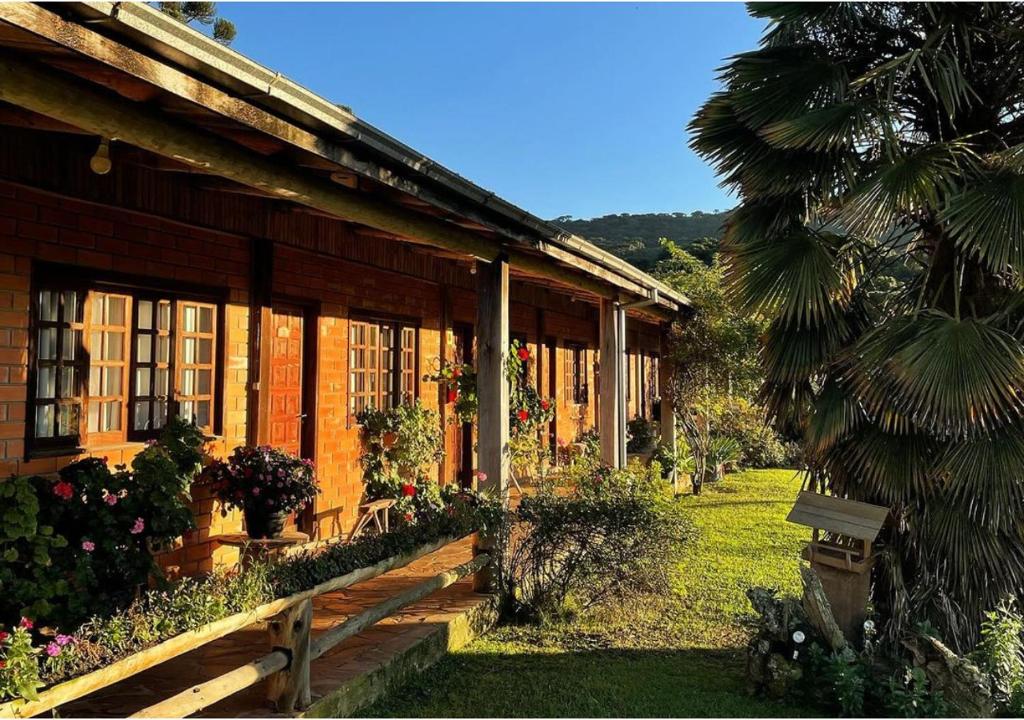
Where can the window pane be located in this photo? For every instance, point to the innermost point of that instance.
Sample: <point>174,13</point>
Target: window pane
<point>95,380</point>
<point>205,351</point>
<point>47,306</point>
<point>44,421</point>
<point>113,349</point>
<point>163,349</point>
<point>205,382</point>
<point>205,320</point>
<point>203,413</point>
<point>94,417</point>
<point>115,310</point>
<point>186,410</point>
<point>69,382</point>
<point>188,316</point>
<point>112,381</point>
<point>143,381</point>
<point>96,344</point>
<point>112,415</point>
<point>67,420</point>
<point>188,350</point>
<point>159,414</point>
<point>145,315</point>
<point>162,388</point>
<point>72,344</point>
<point>46,382</point>
<point>47,349</point>
<point>141,415</point>
<point>188,382</point>
<point>144,349</point>
<point>70,306</point>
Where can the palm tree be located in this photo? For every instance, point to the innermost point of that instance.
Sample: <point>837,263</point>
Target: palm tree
<point>877,152</point>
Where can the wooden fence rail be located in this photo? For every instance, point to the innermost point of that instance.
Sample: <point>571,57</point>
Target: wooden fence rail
<point>83,685</point>
<point>293,658</point>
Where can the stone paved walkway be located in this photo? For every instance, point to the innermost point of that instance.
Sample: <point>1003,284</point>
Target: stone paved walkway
<point>350,659</point>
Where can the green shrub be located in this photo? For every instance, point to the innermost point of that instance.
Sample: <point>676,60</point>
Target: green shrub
<point>106,522</point>
<point>760,446</point>
<point>1000,653</point>
<point>616,533</point>
<point>641,434</point>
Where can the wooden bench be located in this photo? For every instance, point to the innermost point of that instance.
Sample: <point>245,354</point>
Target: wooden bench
<point>375,511</point>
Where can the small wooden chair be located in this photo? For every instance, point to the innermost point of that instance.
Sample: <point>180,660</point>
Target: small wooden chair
<point>375,511</point>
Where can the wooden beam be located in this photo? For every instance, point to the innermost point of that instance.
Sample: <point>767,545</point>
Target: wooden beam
<point>357,623</point>
<point>492,341</point>
<point>289,689</point>
<point>612,391</point>
<point>45,91</point>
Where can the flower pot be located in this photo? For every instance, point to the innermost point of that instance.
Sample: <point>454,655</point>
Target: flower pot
<point>262,523</point>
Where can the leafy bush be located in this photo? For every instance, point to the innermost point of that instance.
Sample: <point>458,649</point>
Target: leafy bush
<point>106,522</point>
<point>1000,653</point>
<point>191,603</point>
<point>398,444</point>
<point>616,533</point>
<point>266,476</point>
<point>641,434</point>
<point>744,422</point>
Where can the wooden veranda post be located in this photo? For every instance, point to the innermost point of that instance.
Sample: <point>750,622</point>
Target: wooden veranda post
<point>289,689</point>
<point>611,428</point>
<point>492,328</point>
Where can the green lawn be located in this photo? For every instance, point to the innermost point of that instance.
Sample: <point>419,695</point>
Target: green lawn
<point>657,656</point>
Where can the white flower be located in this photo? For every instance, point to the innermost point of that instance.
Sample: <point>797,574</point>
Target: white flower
<point>799,637</point>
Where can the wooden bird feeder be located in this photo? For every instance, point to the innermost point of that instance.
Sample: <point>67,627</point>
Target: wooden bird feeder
<point>840,551</point>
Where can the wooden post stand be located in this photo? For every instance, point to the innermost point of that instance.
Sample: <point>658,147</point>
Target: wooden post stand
<point>289,632</point>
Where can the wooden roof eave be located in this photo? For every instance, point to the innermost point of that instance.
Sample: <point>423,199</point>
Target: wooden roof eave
<point>208,99</point>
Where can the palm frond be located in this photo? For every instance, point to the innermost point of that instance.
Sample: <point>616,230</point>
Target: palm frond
<point>982,477</point>
<point>957,377</point>
<point>801,277</point>
<point>987,220</point>
<point>828,128</point>
<point>902,187</point>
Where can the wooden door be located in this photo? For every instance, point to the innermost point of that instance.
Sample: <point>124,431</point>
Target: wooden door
<point>550,359</point>
<point>285,414</point>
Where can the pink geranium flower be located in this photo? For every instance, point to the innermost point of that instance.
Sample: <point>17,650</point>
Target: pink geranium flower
<point>138,527</point>
<point>27,623</point>
<point>110,499</point>
<point>53,649</point>
<point>88,545</point>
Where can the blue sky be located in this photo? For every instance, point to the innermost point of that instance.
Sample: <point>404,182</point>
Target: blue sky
<point>563,109</point>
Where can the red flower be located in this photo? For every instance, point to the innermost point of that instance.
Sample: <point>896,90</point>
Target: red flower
<point>456,372</point>
<point>524,353</point>
<point>3,664</point>
<point>408,517</point>
<point>453,395</point>
<point>523,415</point>
<point>408,490</point>
<point>3,636</point>
<point>27,623</point>
<point>544,404</point>
<point>63,490</point>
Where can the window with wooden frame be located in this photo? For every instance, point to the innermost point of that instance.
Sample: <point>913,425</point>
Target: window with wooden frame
<point>576,375</point>
<point>382,366</point>
<point>103,362</point>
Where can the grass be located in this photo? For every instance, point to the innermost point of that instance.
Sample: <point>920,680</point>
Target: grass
<point>681,655</point>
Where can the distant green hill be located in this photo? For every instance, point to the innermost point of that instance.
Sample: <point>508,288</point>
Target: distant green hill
<point>635,237</point>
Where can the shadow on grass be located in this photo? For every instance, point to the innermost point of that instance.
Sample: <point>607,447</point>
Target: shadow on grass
<point>540,682</point>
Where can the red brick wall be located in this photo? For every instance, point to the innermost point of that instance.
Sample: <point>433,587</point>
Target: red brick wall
<point>345,273</point>
<point>40,226</point>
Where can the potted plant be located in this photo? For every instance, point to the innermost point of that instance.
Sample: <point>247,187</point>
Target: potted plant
<point>267,484</point>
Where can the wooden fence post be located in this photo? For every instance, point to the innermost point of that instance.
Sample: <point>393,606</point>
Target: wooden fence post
<point>289,632</point>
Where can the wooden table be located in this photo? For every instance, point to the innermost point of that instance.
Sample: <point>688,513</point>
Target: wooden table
<point>250,549</point>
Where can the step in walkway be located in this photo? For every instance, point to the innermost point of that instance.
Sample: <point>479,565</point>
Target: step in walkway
<point>348,677</point>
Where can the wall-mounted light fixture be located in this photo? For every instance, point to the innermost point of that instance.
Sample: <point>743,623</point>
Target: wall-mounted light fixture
<point>99,163</point>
